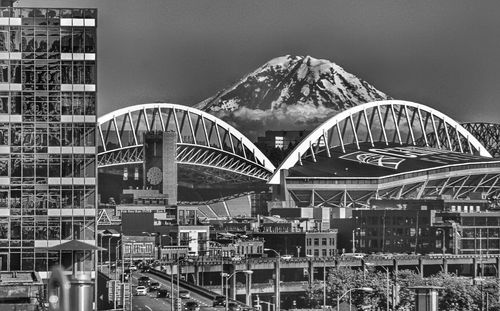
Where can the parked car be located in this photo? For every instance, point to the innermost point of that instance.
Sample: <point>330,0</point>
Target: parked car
<point>184,294</point>
<point>162,293</point>
<point>286,257</point>
<point>144,281</point>
<point>191,306</point>
<point>154,286</point>
<point>141,291</point>
<point>133,268</point>
<point>219,301</point>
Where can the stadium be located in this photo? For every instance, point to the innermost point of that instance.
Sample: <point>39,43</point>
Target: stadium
<point>385,149</point>
<point>218,168</point>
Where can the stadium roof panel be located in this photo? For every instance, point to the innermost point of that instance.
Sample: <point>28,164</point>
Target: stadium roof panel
<point>390,122</point>
<point>381,160</point>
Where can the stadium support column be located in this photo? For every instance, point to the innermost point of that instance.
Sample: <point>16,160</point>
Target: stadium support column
<point>248,285</point>
<point>170,166</point>
<point>232,282</point>
<point>284,195</point>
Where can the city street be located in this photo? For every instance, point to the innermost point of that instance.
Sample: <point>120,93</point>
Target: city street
<point>151,303</point>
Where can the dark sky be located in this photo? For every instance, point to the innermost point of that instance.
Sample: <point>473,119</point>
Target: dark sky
<point>444,53</point>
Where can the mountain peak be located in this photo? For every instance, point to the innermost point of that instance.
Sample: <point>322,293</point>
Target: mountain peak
<point>290,92</point>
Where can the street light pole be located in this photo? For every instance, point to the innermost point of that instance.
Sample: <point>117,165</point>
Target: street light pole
<point>100,239</point>
<point>116,268</point>
<point>179,269</point>
<point>109,253</point>
<point>172,284</point>
<point>227,293</point>
<point>116,258</point>
<point>227,277</point>
<point>324,283</point>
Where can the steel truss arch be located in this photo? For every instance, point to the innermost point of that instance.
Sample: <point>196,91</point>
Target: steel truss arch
<point>202,139</point>
<point>390,122</point>
<point>488,134</point>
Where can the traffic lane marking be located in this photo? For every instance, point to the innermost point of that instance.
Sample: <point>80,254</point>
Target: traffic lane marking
<point>147,307</point>
<point>167,283</point>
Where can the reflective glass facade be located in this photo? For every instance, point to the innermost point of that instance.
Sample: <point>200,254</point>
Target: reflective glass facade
<point>47,135</point>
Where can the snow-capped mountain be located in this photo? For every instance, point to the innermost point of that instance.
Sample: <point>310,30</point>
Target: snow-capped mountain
<point>287,93</point>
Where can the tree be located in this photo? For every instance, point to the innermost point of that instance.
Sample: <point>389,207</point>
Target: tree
<point>341,280</point>
<point>457,293</point>
<point>407,279</point>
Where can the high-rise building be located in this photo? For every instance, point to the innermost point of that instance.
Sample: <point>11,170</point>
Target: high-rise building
<point>47,136</point>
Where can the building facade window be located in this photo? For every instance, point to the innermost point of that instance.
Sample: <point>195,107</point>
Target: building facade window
<point>41,178</point>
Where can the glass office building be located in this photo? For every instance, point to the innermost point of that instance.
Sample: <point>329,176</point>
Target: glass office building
<point>47,135</point>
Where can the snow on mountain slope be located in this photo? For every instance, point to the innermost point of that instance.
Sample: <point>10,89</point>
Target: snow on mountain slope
<point>289,93</point>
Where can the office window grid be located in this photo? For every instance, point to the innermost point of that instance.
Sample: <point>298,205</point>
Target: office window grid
<point>47,119</point>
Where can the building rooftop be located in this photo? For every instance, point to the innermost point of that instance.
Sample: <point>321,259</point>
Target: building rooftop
<point>382,160</point>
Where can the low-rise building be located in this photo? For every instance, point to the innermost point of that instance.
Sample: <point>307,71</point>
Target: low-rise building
<point>321,243</point>
<point>138,247</point>
<point>427,226</point>
<point>195,238</point>
<point>240,248</point>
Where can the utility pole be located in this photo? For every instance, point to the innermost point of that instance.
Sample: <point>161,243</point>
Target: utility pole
<point>324,283</point>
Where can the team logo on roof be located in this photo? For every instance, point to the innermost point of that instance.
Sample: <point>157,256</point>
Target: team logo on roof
<point>374,159</point>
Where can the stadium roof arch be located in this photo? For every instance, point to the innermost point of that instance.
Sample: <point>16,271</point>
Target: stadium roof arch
<point>390,122</point>
<point>488,134</point>
<point>386,150</point>
<point>203,140</point>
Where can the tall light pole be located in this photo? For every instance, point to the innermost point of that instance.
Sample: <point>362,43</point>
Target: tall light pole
<point>278,277</point>
<point>116,257</point>
<point>364,289</point>
<point>324,283</point>
<point>227,276</point>
<point>99,233</point>
<point>116,267</point>
<point>177,262</point>
<point>123,267</point>
<point>114,235</point>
